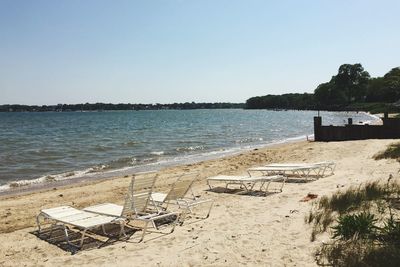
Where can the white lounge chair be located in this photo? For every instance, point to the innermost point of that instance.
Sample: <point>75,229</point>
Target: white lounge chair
<point>303,172</point>
<point>66,216</point>
<point>247,182</point>
<point>136,206</point>
<point>322,166</point>
<point>181,194</point>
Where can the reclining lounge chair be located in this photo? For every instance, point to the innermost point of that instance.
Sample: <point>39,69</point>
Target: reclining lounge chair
<point>136,206</point>
<point>178,195</point>
<point>67,216</point>
<point>247,182</point>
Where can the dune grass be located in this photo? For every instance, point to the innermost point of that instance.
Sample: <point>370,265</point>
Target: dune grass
<point>325,212</point>
<point>364,224</point>
<point>391,152</point>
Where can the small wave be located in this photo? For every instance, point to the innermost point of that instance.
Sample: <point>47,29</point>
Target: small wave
<point>249,140</point>
<point>147,160</point>
<point>189,148</point>
<point>118,163</point>
<point>44,179</point>
<point>157,153</point>
<point>99,168</point>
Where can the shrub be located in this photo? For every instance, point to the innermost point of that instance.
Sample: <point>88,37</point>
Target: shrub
<point>390,233</point>
<point>358,226</point>
<point>359,252</point>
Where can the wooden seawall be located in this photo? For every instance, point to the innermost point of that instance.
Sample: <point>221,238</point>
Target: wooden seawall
<point>389,130</point>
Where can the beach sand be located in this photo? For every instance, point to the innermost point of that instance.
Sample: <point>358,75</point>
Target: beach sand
<point>253,230</point>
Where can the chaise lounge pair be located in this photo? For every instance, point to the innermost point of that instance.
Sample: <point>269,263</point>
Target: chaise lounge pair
<point>301,170</point>
<point>274,173</point>
<point>141,205</point>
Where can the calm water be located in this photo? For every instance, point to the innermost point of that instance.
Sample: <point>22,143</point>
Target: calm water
<point>57,146</point>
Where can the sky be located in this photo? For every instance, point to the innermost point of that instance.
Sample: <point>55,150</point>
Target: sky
<point>166,51</point>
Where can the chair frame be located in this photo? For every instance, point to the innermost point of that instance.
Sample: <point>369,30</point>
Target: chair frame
<point>323,166</point>
<point>178,196</point>
<point>45,215</point>
<point>303,172</point>
<point>248,182</point>
<point>132,211</point>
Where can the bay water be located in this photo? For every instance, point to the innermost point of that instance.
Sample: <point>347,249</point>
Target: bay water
<point>51,146</point>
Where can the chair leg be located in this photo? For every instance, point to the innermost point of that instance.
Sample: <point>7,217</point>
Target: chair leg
<point>38,222</point>
<point>144,230</point>
<point>209,210</point>
<point>122,230</point>
<point>266,188</point>
<point>175,223</point>
<point>182,216</point>
<point>209,185</point>
<point>41,216</point>
<point>53,226</point>
<point>153,223</point>
<point>283,183</point>
<point>82,238</point>
<point>103,228</point>
<point>66,236</point>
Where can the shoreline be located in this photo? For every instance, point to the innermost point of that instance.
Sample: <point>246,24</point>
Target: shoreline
<point>40,184</point>
<point>242,228</point>
<point>105,170</point>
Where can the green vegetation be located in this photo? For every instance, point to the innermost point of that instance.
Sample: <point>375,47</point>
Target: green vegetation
<point>351,89</point>
<point>364,224</point>
<point>286,101</point>
<point>392,152</point>
<point>350,225</point>
<point>373,107</point>
<point>103,107</point>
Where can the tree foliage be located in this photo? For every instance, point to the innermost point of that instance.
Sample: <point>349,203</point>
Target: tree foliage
<point>285,101</point>
<point>351,87</point>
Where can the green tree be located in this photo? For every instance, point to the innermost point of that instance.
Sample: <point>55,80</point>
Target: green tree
<point>386,88</point>
<point>352,79</point>
<point>323,94</point>
<point>391,85</point>
<point>375,90</point>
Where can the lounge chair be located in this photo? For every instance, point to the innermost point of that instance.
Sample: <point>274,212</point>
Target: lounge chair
<point>136,206</point>
<point>247,182</point>
<point>66,216</point>
<point>303,172</point>
<point>323,166</point>
<point>181,194</point>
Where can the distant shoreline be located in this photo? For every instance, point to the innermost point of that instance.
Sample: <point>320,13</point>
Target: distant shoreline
<point>104,107</point>
<point>98,107</point>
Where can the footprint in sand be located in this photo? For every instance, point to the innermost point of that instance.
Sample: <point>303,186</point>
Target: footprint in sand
<point>245,242</point>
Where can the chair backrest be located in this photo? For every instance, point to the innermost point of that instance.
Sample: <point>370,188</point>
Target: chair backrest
<point>182,186</point>
<point>139,193</point>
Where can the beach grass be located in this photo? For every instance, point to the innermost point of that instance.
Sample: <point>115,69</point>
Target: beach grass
<point>364,224</point>
<point>392,152</point>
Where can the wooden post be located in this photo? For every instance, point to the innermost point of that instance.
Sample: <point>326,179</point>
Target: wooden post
<point>317,128</point>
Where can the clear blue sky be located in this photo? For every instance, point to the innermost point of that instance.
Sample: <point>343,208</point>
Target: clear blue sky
<point>176,51</point>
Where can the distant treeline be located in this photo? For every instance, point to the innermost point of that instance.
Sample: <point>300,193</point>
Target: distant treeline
<point>351,89</point>
<point>104,107</point>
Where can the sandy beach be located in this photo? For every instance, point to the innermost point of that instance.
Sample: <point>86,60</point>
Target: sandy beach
<point>243,229</point>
